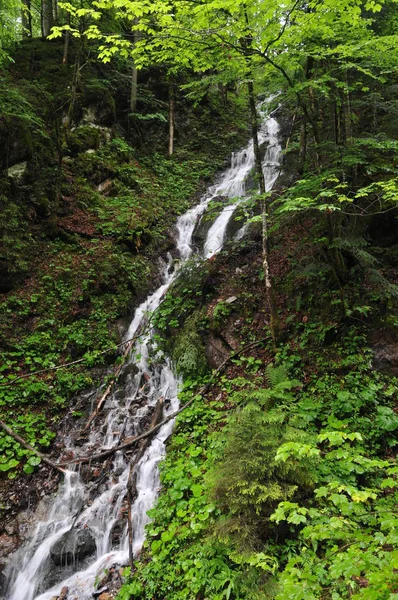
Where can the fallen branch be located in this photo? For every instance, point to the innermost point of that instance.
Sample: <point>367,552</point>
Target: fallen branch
<point>25,444</point>
<point>108,390</point>
<point>130,442</point>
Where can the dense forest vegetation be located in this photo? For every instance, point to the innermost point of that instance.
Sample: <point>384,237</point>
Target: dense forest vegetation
<point>280,479</point>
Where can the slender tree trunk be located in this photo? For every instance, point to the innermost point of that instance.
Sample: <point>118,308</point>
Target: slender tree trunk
<point>171,117</point>
<point>347,112</point>
<point>256,147</point>
<point>26,19</point>
<point>133,90</point>
<point>337,124</point>
<point>134,76</point>
<point>303,146</point>
<point>66,41</point>
<point>47,17</point>
<point>269,288</point>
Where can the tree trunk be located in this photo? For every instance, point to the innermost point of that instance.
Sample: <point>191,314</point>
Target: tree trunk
<point>269,289</point>
<point>66,41</point>
<point>133,90</point>
<point>347,112</point>
<point>256,147</point>
<point>134,76</point>
<point>171,118</point>
<point>303,146</point>
<point>47,17</point>
<point>26,19</point>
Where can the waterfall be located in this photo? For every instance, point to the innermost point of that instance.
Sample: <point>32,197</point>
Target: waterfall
<point>32,575</point>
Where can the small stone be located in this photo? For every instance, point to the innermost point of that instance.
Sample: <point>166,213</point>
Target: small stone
<point>16,172</point>
<point>105,186</point>
<point>64,593</point>
<point>11,528</point>
<point>231,300</point>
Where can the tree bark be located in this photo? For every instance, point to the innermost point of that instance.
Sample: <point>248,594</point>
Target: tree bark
<point>303,146</point>
<point>171,118</point>
<point>47,17</point>
<point>269,288</point>
<point>26,19</point>
<point>133,90</point>
<point>347,112</point>
<point>66,41</point>
<point>134,76</point>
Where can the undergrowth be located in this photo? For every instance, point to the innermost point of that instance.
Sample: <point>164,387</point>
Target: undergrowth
<point>284,489</point>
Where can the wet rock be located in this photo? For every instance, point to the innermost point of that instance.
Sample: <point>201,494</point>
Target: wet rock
<point>216,351</point>
<point>101,587</point>
<point>202,228</point>
<point>8,543</point>
<point>127,372</point>
<point>16,172</point>
<point>117,530</point>
<point>64,593</point>
<point>105,596</point>
<point>385,353</point>
<point>11,528</point>
<point>72,547</point>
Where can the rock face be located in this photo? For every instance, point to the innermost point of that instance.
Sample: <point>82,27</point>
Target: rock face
<point>73,546</point>
<point>8,543</point>
<point>385,352</point>
<point>206,221</point>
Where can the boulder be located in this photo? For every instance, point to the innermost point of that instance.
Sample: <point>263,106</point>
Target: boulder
<point>72,547</point>
<point>206,221</point>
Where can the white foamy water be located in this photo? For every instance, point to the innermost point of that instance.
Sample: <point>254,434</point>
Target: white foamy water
<point>30,574</point>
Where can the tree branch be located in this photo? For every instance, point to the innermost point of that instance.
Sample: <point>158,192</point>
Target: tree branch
<point>130,442</point>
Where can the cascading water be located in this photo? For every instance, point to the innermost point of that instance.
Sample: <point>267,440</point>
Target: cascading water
<point>32,574</point>
<point>242,164</point>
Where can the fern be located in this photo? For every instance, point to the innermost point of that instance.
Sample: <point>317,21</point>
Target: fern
<point>356,247</point>
<point>368,262</point>
<point>275,375</point>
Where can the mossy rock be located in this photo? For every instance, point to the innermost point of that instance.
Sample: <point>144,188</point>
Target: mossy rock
<point>84,138</point>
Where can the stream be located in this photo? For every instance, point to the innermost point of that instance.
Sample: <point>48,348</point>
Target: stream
<point>87,523</point>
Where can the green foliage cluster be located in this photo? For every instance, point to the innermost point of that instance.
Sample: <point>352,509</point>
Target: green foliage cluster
<point>300,480</point>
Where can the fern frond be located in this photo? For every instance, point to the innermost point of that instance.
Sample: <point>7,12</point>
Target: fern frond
<point>385,288</point>
<point>275,375</point>
<point>356,247</point>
